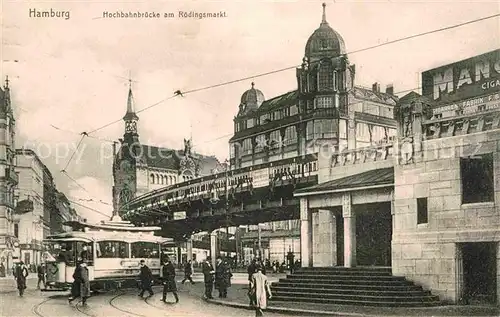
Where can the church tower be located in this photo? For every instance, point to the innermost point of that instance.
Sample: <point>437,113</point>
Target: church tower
<point>323,81</point>
<point>126,160</point>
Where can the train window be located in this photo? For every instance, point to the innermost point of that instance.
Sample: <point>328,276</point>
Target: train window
<point>112,249</point>
<point>146,250</point>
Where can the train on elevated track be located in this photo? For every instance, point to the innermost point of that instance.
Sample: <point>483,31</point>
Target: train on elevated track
<point>111,249</point>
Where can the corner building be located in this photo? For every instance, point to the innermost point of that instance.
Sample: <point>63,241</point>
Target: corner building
<point>326,113</point>
<point>426,204</point>
<point>447,182</point>
<point>8,179</point>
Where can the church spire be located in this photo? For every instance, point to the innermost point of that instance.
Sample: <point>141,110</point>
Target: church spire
<point>130,117</point>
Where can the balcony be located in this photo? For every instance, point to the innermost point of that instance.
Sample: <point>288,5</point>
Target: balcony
<point>11,176</point>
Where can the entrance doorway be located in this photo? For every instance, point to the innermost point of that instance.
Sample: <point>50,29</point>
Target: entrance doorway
<point>478,281</point>
<point>373,234</point>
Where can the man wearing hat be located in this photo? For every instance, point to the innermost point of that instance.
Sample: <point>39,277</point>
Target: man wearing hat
<point>208,277</point>
<point>146,278</point>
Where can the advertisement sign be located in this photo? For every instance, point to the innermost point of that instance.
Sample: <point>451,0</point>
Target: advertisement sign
<point>479,104</point>
<point>472,77</point>
<point>260,178</point>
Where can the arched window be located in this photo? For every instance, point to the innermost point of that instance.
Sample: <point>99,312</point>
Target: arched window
<point>112,249</point>
<point>152,176</point>
<point>157,178</point>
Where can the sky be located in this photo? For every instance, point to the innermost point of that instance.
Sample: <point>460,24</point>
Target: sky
<point>69,76</point>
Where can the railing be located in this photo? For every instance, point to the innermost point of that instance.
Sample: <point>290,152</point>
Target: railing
<point>380,152</point>
<point>244,179</point>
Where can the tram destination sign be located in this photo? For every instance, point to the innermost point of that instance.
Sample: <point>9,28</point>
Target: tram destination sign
<point>472,77</point>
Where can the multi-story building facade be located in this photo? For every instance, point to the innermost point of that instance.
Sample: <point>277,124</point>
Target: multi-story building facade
<point>62,212</point>
<point>447,182</point>
<point>326,113</point>
<point>49,199</point>
<point>8,179</point>
<point>139,168</point>
<point>29,222</point>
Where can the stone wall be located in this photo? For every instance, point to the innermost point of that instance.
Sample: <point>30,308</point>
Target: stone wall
<point>426,253</point>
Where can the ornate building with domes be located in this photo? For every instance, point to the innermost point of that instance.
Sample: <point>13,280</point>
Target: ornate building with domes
<point>139,168</point>
<point>327,111</point>
<point>325,107</point>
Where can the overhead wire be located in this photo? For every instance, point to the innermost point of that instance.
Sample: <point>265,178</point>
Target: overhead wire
<point>182,93</point>
<point>189,91</point>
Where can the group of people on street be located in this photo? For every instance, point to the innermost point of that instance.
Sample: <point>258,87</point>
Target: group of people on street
<point>167,277</point>
<point>21,272</point>
<point>218,277</point>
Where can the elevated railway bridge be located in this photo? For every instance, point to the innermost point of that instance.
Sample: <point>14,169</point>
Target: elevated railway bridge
<point>245,196</point>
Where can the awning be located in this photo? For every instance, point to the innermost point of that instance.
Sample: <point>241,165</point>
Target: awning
<point>377,178</point>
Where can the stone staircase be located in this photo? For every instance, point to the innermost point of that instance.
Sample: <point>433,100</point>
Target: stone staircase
<point>366,286</point>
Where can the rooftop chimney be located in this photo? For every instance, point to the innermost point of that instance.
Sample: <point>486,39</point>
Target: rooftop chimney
<point>376,87</point>
<point>389,89</point>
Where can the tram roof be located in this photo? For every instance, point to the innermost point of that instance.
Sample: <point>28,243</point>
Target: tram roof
<point>95,236</point>
<point>110,225</point>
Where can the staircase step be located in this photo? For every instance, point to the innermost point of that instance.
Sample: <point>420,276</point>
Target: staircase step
<point>357,297</point>
<point>368,286</point>
<point>334,280</point>
<point>354,287</point>
<point>347,277</point>
<point>352,302</point>
<point>342,291</point>
<point>342,272</point>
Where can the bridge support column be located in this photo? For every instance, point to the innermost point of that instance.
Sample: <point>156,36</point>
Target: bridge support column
<point>305,234</point>
<point>213,247</point>
<point>349,231</point>
<point>189,249</point>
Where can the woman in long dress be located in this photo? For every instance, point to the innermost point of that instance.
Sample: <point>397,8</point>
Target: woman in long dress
<point>261,289</point>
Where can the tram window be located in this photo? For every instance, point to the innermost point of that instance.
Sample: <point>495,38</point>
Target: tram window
<point>145,250</point>
<point>85,252</point>
<point>112,249</point>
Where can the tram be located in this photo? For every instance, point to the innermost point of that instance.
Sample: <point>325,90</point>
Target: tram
<point>112,250</point>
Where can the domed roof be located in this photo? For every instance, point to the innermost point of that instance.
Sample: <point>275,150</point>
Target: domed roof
<point>325,40</point>
<point>252,98</point>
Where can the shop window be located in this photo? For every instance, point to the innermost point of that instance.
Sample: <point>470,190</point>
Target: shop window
<point>422,211</point>
<point>476,173</point>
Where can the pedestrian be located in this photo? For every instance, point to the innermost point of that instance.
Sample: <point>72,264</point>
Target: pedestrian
<point>188,272</point>
<point>20,274</point>
<point>208,277</point>
<point>222,277</point>
<point>77,282</point>
<point>251,270</point>
<point>168,273</point>
<point>146,278</point>
<point>84,283</point>
<point>290,257</point>
<point>261,290</point>
<point>41,275</point>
